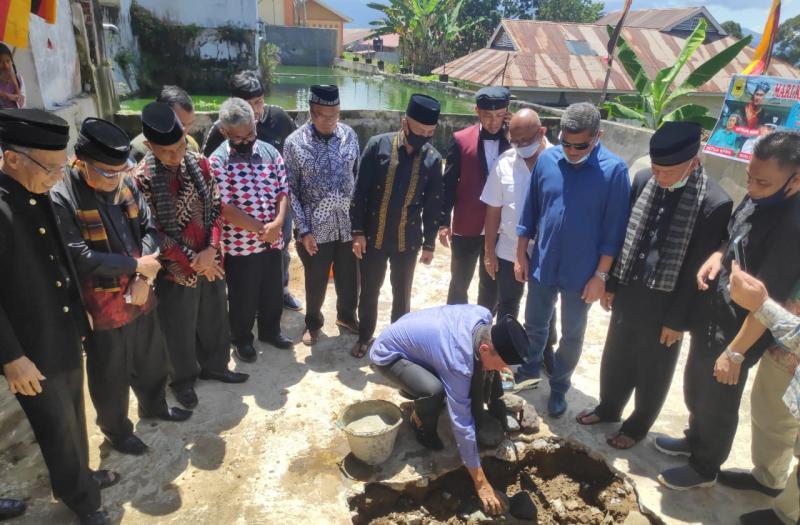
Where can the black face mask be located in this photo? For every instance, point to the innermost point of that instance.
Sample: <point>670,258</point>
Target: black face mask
<point>416,141</point>
<point>244,148</point>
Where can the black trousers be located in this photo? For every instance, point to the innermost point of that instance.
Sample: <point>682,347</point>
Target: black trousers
<point>195,326</point>
<point>509,290</point>
<point>132,356</point>
<point>254,287</point>
<point>713,407</point>
<point>635,360</point>
<point>466,252</point>
<point>421,384</point>
<point>345,277</point>
<point>373,272</point>
<point>58,420</point>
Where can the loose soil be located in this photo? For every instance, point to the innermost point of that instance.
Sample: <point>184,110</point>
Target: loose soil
<point>566,485</point>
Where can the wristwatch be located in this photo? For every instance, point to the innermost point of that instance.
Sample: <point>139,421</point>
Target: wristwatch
<point>603,275</point>
<point>736,357</point>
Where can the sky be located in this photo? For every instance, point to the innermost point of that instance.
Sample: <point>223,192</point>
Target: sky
<point>751,14</point>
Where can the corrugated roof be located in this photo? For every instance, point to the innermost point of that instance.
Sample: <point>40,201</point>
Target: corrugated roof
<point>660,19</point>
<point>355,34</point>
<point>541,59</point>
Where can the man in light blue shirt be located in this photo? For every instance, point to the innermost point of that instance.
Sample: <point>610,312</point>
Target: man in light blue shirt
<point>440,354</point>
<point>576,210</point>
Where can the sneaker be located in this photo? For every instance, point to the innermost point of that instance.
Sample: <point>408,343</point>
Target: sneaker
<point>557,404</point>
<point>673,446</point>
<point>685,478</point>
<point>290,303</point>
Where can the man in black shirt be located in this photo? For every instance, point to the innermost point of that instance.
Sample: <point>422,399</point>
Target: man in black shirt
<point>395,211</point>
<point>678,219</point>
<point>726,339</point>
<point>273,126</point>
<point>42,319</point>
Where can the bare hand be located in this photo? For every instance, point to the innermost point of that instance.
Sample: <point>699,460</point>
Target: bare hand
<point>726,371</point>
<point>359,246</point>
<point>445,236</point>
<point>747,291</point>
<point>607,301</point>
<point>492,501</point>
<point>491,264</point>
<point>426,257</point>
<point>213,272</point>
<point>709,270</point>
<point>148,265</point>
<point>310,244</point>
<point>205,259</point>
<point>669,336</point>
<point>521,269</point>
<point>271,232</point>
<point>23,377</point>
<point>594,290</point>
<point>139,291</point>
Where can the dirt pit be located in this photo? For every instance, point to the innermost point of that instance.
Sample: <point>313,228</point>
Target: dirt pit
<point>564,483</point>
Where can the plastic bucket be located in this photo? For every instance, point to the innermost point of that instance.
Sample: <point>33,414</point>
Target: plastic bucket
<point>371,447</point>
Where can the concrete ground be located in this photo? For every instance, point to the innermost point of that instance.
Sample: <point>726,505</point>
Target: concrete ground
<point>268,451</point>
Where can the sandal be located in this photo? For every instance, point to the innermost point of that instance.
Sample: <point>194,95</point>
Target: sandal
<point>106,478</point>
<point>359,350</point>
<point>589,412</point>
<point>627,442</point>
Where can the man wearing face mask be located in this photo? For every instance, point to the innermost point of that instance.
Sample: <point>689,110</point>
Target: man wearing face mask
<point>726,340</point>
<point>576,240</point>
<point>252,178</point>
<point>503,195</point>
<point>321,163</point>
<point>471,156</point>
<point>113,242</point>
<point>395,211</point>
<point>678,218</point>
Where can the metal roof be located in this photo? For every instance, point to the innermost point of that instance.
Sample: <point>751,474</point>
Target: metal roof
<point>661,19</point>
<point>542,60</point>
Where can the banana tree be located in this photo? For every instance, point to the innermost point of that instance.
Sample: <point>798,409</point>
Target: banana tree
<point>655,101</point>
<point>450,30</point>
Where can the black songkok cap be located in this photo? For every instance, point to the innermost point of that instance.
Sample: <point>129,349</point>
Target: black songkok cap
<point>246,85</point>
<point>510,341</point>
<point>674,143</point>
<point>492,98</point>
<point>325,95</point>
<point>423,109</point>
<point>160,125</point>
<point>33,128</point>
<point>102,141</point>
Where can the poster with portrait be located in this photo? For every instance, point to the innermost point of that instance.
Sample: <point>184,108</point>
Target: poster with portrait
<point>753,107</point>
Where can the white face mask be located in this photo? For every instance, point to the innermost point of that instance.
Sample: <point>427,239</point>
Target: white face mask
<point>528,151</point>
<point>583,159</point>
<point>682,182</point>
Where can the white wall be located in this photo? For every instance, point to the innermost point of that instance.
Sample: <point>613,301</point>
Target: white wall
<point>205,13</point>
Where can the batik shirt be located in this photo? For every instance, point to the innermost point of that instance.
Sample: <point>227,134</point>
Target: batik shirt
<point>785,328</point>
<point>253,183</point>
<point>321,173</point>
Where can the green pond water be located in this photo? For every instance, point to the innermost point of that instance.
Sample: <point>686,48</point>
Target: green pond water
<point>356,91</point>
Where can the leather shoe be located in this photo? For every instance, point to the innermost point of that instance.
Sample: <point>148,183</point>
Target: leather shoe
<point>760,517</point>
<point>105,478</point>
<point>130,445</point>
<point>225,376</point>
<point>310,337</point>
<point>744,480</point>
<point>186,397</point>
<point>279,341</point>
<point>171,414</point>
<point>98,517</point>
<point>245,352</point>
<point>11,508</point>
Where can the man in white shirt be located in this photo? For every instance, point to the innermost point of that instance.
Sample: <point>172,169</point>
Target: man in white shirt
<point>504,195</point>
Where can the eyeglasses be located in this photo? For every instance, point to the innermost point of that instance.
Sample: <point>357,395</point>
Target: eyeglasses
<point>580,147</point>
<point>110,174</point>
<point>51,172</point>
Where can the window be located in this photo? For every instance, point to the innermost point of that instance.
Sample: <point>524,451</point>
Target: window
<point>580,48</point>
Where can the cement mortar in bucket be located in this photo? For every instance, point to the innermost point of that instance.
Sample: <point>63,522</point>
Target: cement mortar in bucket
<point>371,428</point>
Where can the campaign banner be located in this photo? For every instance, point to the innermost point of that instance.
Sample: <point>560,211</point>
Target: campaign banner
<point>754,106</point>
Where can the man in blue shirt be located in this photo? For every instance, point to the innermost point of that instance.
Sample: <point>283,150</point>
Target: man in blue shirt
<point>576,210</point>
<point>442,353</point>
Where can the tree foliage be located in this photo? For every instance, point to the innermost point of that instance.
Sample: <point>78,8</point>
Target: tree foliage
<point>733,28</point>
<point>656,100</point>
<point>518,9</point>
<point>581,11</point>
<point>787,45</point>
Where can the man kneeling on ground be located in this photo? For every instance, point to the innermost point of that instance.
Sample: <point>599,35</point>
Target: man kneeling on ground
<point>452,352</point>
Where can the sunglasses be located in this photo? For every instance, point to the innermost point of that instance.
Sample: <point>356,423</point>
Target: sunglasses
<point>580,146</point>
